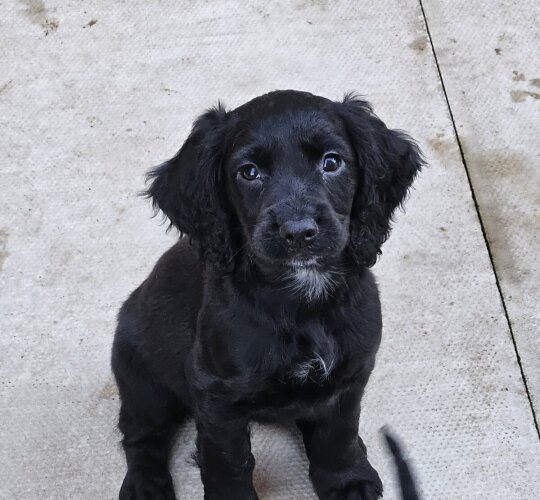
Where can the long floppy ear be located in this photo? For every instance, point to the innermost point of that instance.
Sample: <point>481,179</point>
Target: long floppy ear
<point>388,162</point>
<point>190,189</point>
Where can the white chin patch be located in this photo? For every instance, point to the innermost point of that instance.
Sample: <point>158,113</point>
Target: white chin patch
<point>308,281</point>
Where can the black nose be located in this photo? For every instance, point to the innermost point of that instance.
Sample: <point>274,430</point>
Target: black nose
<point>299,232</point>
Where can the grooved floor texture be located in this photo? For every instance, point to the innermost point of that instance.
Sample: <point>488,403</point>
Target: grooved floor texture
<point>492,77</point>
<point>94,93</point>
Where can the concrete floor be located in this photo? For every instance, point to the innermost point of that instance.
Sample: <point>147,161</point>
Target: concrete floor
<point>94,93</point>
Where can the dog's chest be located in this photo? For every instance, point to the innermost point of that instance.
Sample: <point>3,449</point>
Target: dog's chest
<point>315,366</point>
<point>307,352</point>
<point>306,374</point>
<point>302,390</point>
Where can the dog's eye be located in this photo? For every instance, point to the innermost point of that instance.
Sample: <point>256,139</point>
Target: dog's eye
<point>250,172</point>
<point>331,162</point>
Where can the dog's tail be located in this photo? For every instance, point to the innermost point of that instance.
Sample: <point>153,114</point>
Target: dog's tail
<point>406,480</point>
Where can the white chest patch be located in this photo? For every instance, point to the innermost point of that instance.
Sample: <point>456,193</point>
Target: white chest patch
<point>315,368</point>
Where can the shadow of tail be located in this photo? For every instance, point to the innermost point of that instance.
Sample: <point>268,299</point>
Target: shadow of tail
<point>406,480</point>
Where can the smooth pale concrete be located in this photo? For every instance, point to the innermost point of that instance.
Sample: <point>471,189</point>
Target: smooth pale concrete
<point>491,71</point>
<point>92,95</point>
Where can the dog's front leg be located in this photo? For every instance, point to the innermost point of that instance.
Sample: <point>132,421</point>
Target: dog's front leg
<point>225,459</point>
<point>339,467</point>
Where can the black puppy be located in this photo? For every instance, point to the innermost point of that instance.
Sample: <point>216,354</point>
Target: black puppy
<point>267,309</point>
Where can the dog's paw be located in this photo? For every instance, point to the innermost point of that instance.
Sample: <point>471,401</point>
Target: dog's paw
<point>359,491</point>
<point>144,486</point>
<point>362,484</point>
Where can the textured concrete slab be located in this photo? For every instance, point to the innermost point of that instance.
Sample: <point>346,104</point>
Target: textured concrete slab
<point>92,95</point>
<point>488,55</point>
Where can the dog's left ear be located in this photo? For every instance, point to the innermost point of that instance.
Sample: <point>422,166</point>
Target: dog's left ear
<point>388,162</point>
<point>190,189</point>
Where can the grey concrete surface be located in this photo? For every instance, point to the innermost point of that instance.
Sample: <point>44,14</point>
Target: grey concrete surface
<point>94,93</point>
<point>491,72</point>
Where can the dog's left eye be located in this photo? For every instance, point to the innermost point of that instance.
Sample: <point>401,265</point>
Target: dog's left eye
<point>331,162</point>
<point>250,172</point>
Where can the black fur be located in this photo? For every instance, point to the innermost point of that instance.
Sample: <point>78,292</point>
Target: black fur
<point>266,311</point>
<point>406,479</point>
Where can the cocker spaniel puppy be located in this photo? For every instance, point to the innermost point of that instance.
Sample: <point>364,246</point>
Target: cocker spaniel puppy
<point>266,309</point>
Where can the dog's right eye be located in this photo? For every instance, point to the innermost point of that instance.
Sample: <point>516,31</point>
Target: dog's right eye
<point>250,172</point>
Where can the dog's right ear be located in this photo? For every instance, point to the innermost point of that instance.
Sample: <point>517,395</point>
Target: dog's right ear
<point>190,190</point>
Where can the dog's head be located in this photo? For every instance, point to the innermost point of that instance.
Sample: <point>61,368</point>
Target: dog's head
<point>293,179</point>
